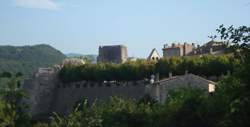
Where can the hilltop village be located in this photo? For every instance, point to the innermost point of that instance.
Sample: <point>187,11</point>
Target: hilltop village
<point>50,94</point>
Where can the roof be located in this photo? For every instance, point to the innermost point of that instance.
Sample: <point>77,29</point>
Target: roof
<point>151,53</point>
<point>181,76</point>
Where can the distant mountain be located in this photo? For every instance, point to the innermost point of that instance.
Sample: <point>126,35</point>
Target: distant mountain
<point>92,58</point>
<point>26,59</point>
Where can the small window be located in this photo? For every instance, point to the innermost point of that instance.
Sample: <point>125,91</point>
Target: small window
<point>153,58</point>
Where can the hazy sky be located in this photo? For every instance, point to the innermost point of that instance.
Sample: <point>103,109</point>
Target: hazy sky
<point>80,26</point>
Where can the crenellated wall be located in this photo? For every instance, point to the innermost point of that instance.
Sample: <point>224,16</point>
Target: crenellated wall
<point>48,94</point>
<point>68,94</point>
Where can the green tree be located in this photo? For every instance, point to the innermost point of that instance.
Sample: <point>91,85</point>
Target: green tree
<point>12,110</point>
<point>235,90</point>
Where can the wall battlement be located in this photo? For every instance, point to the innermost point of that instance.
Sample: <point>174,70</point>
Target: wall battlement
<point>85,84</point>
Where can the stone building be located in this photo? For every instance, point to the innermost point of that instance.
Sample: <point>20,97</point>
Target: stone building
<point>211,47</point>
<point>178,49</point>
<point>113,54</point>
<point>159,89</point>
<point>154,55</point>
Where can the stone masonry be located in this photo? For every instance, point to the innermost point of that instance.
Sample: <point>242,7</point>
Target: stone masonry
<point>48,94</point>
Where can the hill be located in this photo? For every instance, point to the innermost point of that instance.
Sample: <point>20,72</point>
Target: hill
<point>26,59</point>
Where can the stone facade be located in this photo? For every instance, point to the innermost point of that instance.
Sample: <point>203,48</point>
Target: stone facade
<point>177,50</point>
<point>211,47</point>
<point>113,54</point>
<point>48,94</point>
<point>40,89</point>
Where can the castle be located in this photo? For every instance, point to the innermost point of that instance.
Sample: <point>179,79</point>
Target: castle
<point>48,94</point>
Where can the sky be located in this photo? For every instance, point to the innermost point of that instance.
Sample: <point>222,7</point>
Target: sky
<point>81,26</point>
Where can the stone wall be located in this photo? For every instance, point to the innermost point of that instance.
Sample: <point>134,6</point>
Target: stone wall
<point>67,95</point>
<point>48,95</point>
<point>41,93</point>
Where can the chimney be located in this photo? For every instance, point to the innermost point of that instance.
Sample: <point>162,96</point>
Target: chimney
<point>173,45</point>
<point>165,46</point>
<point>193,45</point>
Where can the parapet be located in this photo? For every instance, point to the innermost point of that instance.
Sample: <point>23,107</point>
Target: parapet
<point>86,84</point>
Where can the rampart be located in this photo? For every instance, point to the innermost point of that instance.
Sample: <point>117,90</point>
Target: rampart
<point>48,94</point>
<point>67,95</point>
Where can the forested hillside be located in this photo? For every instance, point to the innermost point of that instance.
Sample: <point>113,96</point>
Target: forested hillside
<point>26,59</point>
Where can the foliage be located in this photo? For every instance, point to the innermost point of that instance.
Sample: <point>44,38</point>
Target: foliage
<point>115,112</point>
<point>12,112</point>
<point>206,66</point>
<point>87,117</point>
<point>234,91</point>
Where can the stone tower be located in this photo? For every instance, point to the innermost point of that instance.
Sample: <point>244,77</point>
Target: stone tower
<point>113,54</point>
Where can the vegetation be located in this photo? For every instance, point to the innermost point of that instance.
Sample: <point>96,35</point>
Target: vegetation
<point>205,66</point>
<point>12,111</point>
<point>27,59</point>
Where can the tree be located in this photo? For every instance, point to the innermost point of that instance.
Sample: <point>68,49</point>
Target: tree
<point>12,110</point>
<point>235,91</point>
